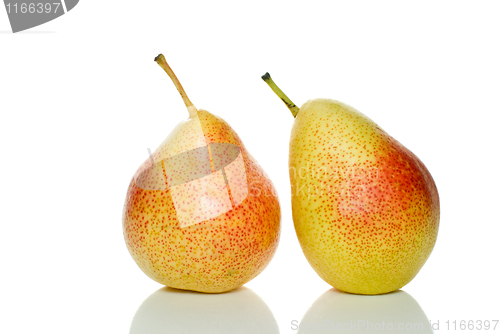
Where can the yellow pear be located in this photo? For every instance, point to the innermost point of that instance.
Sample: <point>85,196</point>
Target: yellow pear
<point>200,213</point>
<point>365,208</point>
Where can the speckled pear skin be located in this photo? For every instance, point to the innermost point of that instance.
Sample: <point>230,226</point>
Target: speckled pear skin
<point>216,255</point>
<point>365,208</point>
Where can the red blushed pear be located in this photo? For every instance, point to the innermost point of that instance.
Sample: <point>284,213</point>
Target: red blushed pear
<point>365,208</point>
<point>201,214</point>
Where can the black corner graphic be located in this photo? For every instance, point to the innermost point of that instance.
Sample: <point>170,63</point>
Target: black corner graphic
<point>26,14</point>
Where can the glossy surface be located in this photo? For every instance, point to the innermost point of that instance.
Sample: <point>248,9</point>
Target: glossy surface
<point>76,125</point>
<point>366,210</point>
<point>177,311</point>
<point>336,311</point>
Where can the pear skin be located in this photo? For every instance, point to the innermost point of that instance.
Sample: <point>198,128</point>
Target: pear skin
<point>201,214</point>
<point>365,208</point>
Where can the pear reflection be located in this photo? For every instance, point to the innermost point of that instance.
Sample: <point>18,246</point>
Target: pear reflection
<point>177,311</point>
<point>204,182</point>
<point>341,312</point>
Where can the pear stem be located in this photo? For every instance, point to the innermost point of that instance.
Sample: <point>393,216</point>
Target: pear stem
<point>160,59</point>
<point>293,108</point>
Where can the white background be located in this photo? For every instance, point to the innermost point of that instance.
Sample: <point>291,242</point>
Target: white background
<point>81,100</point>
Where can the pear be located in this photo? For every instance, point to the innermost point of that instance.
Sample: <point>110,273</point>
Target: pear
<point>365,208</point>
<point>200,213</point>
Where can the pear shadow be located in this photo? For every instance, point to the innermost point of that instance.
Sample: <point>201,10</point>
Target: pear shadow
<point>338,311</point>
<point>358,294</point>
<point>171,310</point>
